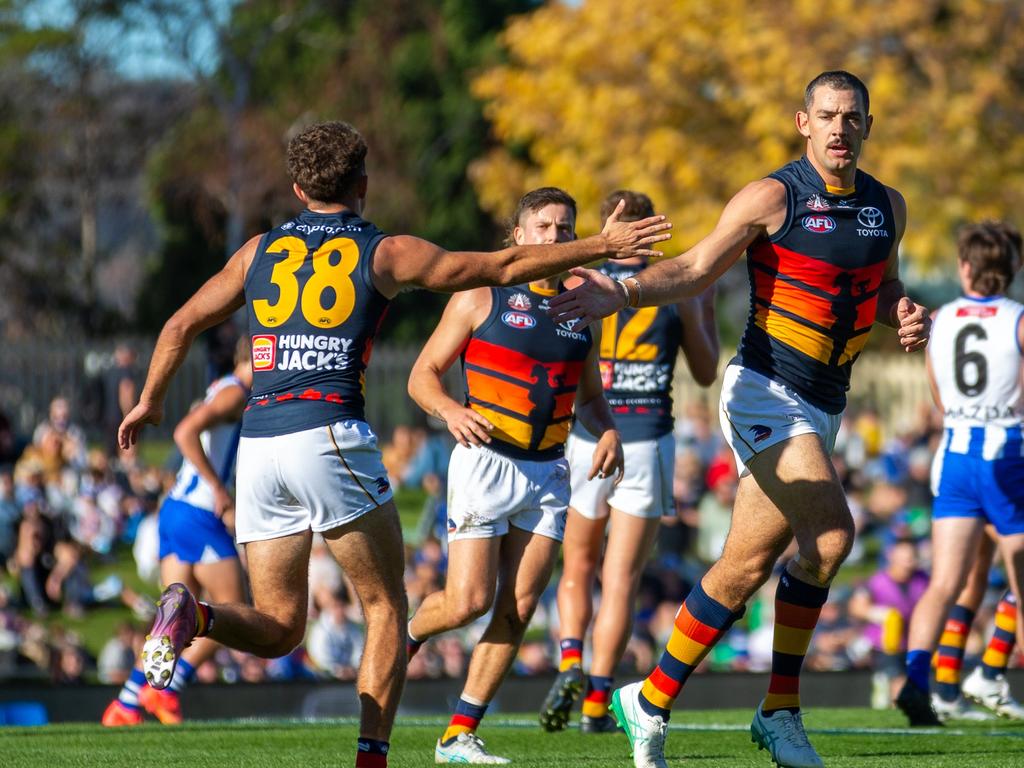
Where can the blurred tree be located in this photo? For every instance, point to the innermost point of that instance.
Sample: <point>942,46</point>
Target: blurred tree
<point>398,70</point>
<point>688,101</point>
<point>74,139</point>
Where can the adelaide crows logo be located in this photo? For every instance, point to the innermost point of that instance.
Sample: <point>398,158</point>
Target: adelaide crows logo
<point>519,301</point>
<point>817,203</point>
<point>761,432</point>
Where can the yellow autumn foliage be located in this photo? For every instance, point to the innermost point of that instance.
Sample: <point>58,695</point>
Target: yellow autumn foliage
<point>687,100</point>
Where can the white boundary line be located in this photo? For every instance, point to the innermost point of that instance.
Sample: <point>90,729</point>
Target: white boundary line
<point>526,724</point>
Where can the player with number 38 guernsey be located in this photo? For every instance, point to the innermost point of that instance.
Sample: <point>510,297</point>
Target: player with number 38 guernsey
<point>316,289</point>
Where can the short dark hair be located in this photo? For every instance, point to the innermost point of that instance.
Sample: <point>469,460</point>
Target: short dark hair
<point>993,250</point>
<point>326,160</point>
<point>533,201</point>
<point>840,80</point>
<point>638,205</point>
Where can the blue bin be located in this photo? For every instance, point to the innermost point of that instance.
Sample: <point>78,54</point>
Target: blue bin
<point>23,713</point>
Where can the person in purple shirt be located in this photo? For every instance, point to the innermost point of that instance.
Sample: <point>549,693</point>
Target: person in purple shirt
<point>885,602</point>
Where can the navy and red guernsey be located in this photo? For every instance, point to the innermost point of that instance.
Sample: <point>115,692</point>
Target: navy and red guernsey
<point>639,347</point>
<point>313,314</point>
<point>520,369</point>
<point>814,284</point>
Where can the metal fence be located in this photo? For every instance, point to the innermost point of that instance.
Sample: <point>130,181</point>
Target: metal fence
<point>35,373</point>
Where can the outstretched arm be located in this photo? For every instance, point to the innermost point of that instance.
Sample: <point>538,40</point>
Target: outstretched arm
<point>404,261</point>
<point>756,209</point>
<point>464,312</point>
<point>219,297</point>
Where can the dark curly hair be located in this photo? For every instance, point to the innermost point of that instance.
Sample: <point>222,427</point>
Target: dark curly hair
<point>326,160</point>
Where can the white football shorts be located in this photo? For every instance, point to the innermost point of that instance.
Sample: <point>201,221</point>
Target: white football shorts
<point>646,486</point>
<point>757,413</point>
<point>319,479</point>
<point>487,492</point>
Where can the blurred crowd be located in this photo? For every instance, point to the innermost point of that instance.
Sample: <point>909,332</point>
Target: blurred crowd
<point>71,511</point>
<point>885,473</point>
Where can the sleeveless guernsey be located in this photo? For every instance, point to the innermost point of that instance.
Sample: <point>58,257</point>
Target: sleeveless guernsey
<point>521,369</point>
<point>976,360</point>
<point>814,284</point>
<point>313,314</point>
<point>639,348</point>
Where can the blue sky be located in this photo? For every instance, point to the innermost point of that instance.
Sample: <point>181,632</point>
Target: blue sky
<point>140,48</point>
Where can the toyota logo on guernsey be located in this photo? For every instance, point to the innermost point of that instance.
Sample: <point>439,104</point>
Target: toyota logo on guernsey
<point>518,320</point>
<point>871,219</point>
<point>819,224</point>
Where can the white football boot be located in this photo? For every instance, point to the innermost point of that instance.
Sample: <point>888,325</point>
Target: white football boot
<point>466,748</point>
<point>958,709</point>
<point>993,695</point>
<point>646,732</point>
<point>784,737</point>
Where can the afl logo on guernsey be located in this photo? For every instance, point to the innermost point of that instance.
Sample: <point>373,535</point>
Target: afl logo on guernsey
<point>518,320</point>
<point>818,224</point>
<point>264,352</point>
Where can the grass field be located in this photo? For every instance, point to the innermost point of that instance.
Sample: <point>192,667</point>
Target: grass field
<point>844,737</point>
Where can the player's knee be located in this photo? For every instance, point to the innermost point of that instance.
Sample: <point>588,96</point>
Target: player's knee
<point>822,556</point>
<point>288,637</point>
<point>514,619</point>
<point>839,545</point>
<point>470,607</point>
<point>578,572</point>
<point>383,605</point>
<point>946,584</point>
<point>525,606</point>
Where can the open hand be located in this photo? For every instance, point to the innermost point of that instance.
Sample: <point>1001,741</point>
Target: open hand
<point>630,238</point>
<point>598,296</point>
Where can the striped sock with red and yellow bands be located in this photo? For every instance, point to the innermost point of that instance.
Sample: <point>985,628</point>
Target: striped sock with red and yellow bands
<point>571,649</point>
<point>949,658</point>
<point>204,618</point>
<point>797,606</point>
<point>598,692</point>
<point>1000,647</point>
<point>466,719</point>
<point>700,623</point>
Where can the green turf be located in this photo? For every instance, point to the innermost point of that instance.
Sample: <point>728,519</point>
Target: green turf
<point>851,737</point>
